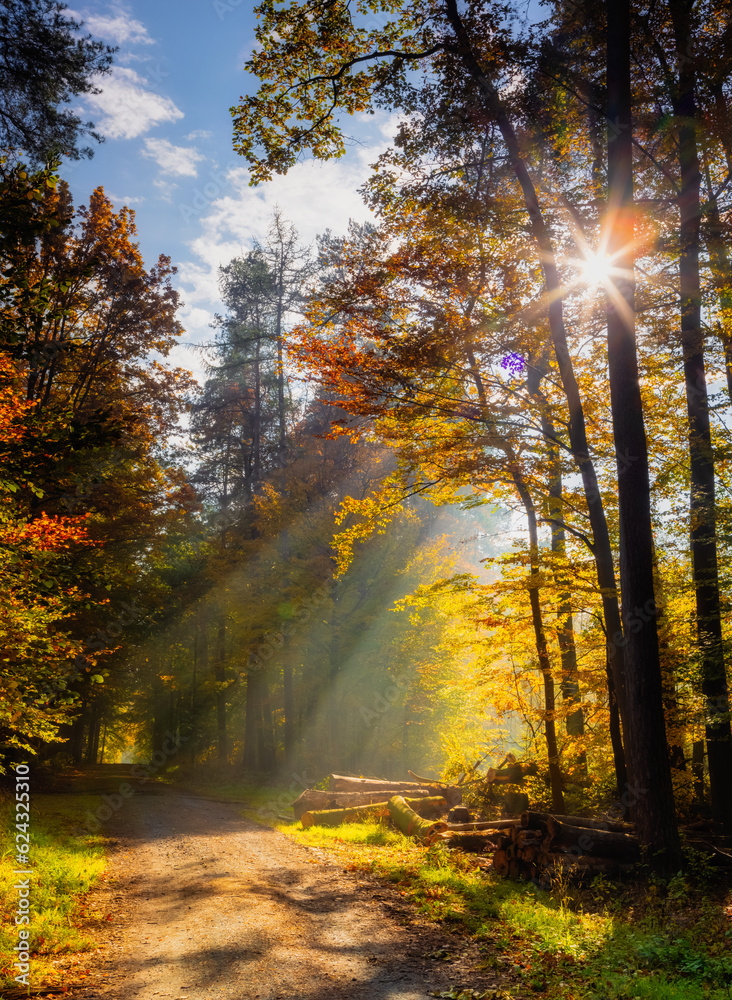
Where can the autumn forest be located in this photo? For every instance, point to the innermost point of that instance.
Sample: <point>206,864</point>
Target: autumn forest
<point>446,486</point>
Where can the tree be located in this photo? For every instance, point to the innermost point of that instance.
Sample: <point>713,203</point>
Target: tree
<point>79,313</point>
<point>645,730</point>
<point>44,63</point>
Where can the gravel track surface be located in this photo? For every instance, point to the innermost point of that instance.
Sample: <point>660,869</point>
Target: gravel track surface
<point>206,905</point>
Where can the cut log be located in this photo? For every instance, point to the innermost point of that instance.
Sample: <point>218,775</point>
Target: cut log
<point>430,806</point>
<point>537,820</point>
<point>501,862</point>
<point>548,864</point>
<point>460,814</point>
<point>423,781</point>
<point>453,793</point>
<point>411,824</point>
<point>314,798</point>
<point>474,843</point>
<point>484,824</point>
<point>529,838</point>
<point>582,840</point>
<point>344,783</point>
<point>530,853</point>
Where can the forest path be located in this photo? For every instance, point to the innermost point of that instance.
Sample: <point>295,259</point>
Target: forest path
<point>205,904</point>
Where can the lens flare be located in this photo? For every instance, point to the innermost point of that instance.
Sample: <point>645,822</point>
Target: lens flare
<point>596,269</point>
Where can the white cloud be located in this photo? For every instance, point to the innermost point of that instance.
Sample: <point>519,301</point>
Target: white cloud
<point>118,26</point>
<point>228,216</point>
<point>199,133</point>
<point>165,188</point>
<point>129,109</point>
<point>126,200</point>
<point>177,160</point>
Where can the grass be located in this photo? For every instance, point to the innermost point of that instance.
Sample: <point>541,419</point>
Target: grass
<point>65,867</point>
<point>644,940</point>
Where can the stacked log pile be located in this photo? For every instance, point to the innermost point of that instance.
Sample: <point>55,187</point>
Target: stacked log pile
<point>542,844</point>
<point>345,783</point>
<point>346,793</point>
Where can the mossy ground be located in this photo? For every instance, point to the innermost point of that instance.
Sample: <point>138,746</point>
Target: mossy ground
<point>65,866</point>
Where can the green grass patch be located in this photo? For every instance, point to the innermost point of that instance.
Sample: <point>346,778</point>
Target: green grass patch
<point>65,866</point>
<point>641,940</point>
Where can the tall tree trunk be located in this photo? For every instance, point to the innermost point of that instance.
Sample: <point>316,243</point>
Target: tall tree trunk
<point>280,358</point>
<point>644,727</point>
<point>198,663</point>
<point>697,770</point>
<point>542,649</point>
<point>722,277</point>
<point>92,740</point>
<point>251,760</point>
<point>76,739</point>
<point>720,262</point>
<point>616,740</point>
<point>220,677</point>
<point>265,733</point>
<point>569,685</point>
<point>257,423</point>
<point>288,700</point>
<point>702,507</point>
<point>159,703</point>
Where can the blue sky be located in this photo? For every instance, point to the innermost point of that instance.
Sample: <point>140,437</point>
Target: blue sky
<point>168,153</point>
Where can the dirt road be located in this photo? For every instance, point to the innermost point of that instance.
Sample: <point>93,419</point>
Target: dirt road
<point>204,904</point>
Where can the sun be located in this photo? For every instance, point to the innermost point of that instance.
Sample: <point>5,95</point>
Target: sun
<point>595,269</point>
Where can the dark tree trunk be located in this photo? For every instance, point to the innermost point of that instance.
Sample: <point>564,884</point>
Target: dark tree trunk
<point>697,769</point>
<point>159,707</point>
<point>280,359</point>
<point>200,657</point>
<point>92,740</point>
<point>644,727</point>
<point>569,685</point>
<point>702,507</point>
<point>220,676</point>
<point>257,422</point>
<point>76,739</point>
<point>616,740</point>
<point>253,715</point>
<point>288,700</point>
<point>719,258</point>
<point>265,734</point>
<point>722,275</point>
